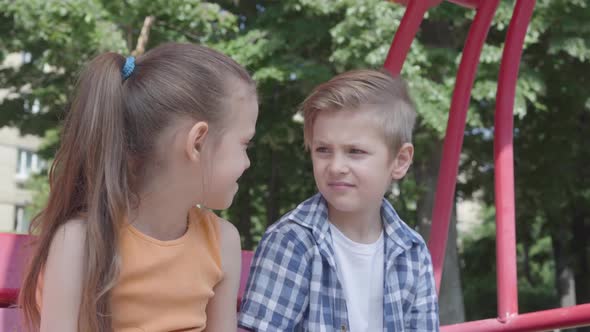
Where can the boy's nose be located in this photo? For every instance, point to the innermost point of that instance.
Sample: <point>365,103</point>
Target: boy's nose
<point>338,165</point>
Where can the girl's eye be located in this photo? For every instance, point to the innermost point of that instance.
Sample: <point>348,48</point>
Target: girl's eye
<point>356,151</point>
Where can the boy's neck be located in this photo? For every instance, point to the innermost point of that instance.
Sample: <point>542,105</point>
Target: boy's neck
<point>362,226</point>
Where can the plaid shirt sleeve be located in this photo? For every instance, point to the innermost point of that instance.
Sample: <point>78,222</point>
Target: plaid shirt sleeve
<point>277,293</point>
<point>424,313</point>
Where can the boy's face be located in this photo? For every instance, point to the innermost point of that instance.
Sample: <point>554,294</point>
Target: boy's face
<point>352,164</point>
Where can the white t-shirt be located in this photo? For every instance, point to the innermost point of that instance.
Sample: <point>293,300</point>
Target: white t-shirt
<point>360,271</point>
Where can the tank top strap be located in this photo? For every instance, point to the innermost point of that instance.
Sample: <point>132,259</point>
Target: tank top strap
<point>206,226</point>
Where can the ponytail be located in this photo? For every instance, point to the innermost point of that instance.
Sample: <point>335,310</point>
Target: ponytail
<point>88,178</point>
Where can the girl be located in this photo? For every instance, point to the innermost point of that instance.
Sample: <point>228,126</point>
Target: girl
<point>122,245</point>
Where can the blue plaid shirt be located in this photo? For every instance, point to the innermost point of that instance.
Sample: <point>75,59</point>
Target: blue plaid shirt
<point>293,285</point>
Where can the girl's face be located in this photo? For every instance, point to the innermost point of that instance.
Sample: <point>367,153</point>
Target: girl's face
<point>225,156</point>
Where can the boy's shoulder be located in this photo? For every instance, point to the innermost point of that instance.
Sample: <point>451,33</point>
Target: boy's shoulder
<point>304,223</point>
<point>410,233</point>
<point>398,231</point>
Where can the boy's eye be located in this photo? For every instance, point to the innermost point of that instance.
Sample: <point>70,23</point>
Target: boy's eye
<point>356,151</point>
<point>321,149</point>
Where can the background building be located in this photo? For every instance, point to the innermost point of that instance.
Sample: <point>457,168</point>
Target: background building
<point>18,161</point>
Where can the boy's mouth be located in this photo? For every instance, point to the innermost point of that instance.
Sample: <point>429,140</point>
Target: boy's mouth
<point>340,184</point>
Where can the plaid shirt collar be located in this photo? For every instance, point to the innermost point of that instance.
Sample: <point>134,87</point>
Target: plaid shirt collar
<point>313,214</point>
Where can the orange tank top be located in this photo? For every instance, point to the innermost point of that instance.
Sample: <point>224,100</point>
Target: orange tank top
<point>165,285</point>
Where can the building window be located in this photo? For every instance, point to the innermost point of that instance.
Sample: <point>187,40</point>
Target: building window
<point>33,108</point>
<point>21,219</point>
<point>26,57</point>
<point>27,163</point>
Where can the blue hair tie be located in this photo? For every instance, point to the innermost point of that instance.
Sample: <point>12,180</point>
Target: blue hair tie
<point>128,67</point>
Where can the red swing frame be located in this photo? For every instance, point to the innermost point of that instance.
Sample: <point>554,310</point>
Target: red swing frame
<point>508,317</point>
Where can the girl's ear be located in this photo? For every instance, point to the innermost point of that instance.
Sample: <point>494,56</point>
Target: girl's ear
<point>195,139</point>
<point>402,161</point>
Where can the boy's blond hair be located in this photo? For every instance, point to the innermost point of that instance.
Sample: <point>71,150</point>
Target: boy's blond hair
<point>373,90</point>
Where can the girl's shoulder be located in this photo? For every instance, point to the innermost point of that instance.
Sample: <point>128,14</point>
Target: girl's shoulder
<point>228,233</point>
<point>205,218</point>
<point>72,232</point>
<point>230,244</point>
<point>59,283</point>
<point>67,246</point>
<point>225,234</point>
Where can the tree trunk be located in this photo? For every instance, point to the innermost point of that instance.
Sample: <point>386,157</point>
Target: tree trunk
<point>526,264</point>
<point>564,273</point>
<point>580,243</point>
<point>272,201</point>
<point>426,173</point>
<point>452,308</point>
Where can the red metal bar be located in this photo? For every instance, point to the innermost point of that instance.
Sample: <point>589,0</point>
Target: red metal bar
<point>536,321</point>
<point>14,252</point>
<point>504,160</point>
<point>8,297</point>
<point>11,320</point>
<point>405,35</point>
<point>447,177</point>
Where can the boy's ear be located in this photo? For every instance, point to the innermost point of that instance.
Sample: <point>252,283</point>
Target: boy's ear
<point>402,161</point>
<point>195,139</point>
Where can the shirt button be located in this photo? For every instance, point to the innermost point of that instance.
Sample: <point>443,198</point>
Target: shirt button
<point>343,328</point>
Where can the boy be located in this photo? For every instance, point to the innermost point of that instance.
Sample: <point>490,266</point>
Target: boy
<point>343,260</point>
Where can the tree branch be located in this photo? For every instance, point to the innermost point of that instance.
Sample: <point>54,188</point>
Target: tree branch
<point>143,36</point>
